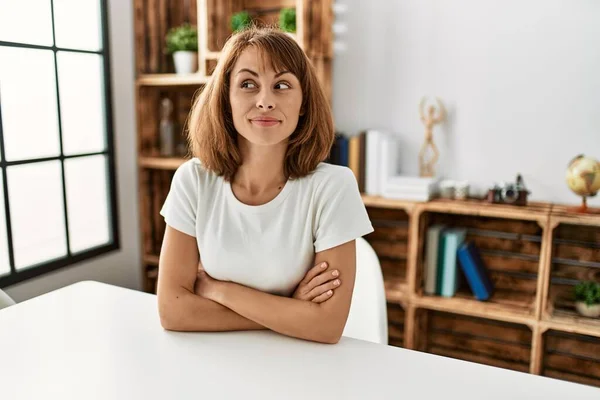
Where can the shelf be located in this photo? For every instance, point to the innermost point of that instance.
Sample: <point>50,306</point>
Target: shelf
<point>566,214</point>
<point>572,322</point>
<point>475,308</point>
<point>166,80</point>
<point>382,202</point>
<point>475,207</point>
<point>165,163</point>
<point>212,55</point>
<point>396,291</point>
<point>150,259</point>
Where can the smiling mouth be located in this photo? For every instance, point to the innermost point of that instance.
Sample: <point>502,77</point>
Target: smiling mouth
<point>265,122</point>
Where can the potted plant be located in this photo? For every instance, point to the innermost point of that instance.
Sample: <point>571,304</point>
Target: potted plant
<point>587,299</point>
<point>240,21</point>
<point>287,20</point>
<point>182,42</point>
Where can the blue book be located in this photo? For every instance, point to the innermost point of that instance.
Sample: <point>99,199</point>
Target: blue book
<point>452,239</point>
<point>475,271</point>
<point>343,151</point>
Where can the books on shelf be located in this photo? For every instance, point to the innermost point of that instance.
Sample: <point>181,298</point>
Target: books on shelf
<point>432,257</point>
<point>475,271</point>
<point>373,158</point>
<point>451,260</point>
<point>451,239</point>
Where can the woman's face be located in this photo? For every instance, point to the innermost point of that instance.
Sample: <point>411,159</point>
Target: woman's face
<point>265,104</point>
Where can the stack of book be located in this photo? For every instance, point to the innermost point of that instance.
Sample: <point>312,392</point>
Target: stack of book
<point>449,260</point>
<point>373,157</point>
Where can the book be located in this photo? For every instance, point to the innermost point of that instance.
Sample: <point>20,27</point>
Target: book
<point>372,167</point>
<point>475,271</point>
<point>431,257</point>
<point>452,239</point>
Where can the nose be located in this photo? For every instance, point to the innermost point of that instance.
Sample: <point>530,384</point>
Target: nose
<point>265,101</point>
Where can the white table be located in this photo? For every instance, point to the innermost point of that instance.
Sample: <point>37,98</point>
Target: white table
<point>96,341</point>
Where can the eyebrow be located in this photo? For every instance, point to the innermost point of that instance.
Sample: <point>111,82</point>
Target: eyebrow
<point>277,75</point>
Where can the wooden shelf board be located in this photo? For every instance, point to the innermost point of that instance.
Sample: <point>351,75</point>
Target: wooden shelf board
<point>571,322</point>
<point>475,207</point>
<point>151,259</point>
<point>212,55</point>
<point>171,80</point>
<point>565,214</point>
<point>476,308</point>
<point>166,163</point>
<point>396,291</point>
<point>378,201</point>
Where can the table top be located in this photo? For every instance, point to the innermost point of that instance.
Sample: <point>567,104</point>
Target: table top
<point>96,341</point>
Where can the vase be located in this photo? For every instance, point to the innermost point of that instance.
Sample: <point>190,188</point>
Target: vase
<point>592,311</point>
<point>186,62</point>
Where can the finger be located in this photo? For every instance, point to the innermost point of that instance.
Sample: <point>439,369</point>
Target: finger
<point>322,278</point>
<point>324,297</point>
<point>324,288</point>
<point>314,271</point>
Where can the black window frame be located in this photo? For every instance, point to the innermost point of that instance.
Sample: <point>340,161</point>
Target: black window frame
<point>15,276</point>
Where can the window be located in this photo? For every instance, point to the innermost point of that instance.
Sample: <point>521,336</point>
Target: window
<point>57,173</point>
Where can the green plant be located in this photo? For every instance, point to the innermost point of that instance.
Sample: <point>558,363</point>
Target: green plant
<point>182,38</point>
<point>588,292</point>
<point>240,21</point>
<point>287,19</point>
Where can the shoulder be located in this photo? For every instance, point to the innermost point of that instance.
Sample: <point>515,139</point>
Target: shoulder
<point>331,178</point>
<point>193,174</point>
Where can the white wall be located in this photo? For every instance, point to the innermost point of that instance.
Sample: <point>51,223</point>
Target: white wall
<point>120,268</point>
<point>521,80</point>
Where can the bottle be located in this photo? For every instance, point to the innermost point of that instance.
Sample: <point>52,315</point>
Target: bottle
<point>166,128</point>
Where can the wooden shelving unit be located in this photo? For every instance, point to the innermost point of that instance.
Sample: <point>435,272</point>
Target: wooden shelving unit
<point>535,255</point>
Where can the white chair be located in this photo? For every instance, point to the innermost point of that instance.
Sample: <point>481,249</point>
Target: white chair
<point>5,300</point>
<point>367,319</point>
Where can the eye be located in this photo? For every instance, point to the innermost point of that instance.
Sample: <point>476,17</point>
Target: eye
<point>282,85</point>
<point>248,85</point>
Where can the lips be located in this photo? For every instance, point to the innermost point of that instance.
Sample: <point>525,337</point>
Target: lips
<point>265,121</point>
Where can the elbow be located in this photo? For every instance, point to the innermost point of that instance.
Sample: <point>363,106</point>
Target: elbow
<point>167,317</point>
<point>329,335</point>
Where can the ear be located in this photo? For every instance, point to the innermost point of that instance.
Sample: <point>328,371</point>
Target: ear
<point>301,111</point>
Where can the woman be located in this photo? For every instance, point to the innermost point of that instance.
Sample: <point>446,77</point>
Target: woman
<point>256,207</point>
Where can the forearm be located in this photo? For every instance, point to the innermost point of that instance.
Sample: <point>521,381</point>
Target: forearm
<point>288,316</point>
<point>186,311</point>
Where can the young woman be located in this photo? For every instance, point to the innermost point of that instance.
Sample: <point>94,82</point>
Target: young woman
<point>260,231</point>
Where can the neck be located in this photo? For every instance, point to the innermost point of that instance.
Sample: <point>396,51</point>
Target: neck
<point>262,167</point>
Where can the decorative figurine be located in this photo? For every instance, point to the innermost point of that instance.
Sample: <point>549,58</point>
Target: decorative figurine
<point>429,120</point>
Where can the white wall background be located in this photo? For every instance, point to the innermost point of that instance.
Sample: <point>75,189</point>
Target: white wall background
<point>520,79</point>
<point>120,268</point>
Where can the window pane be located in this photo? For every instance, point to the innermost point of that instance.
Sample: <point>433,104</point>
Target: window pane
<point>81,88</point>
<point>36,212</point>
<point>26,21</point>
<point>4,262</point>
<point>87,202</point>
<point>78,24</point>
<point>29,110</point>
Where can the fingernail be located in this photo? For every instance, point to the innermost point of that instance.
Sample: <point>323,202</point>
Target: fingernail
<point>330,292</point>
<point>336,282</point>
<point>324,265</point>
<point>335,273</point>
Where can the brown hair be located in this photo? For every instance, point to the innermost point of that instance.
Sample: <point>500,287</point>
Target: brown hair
<point>212,136</point>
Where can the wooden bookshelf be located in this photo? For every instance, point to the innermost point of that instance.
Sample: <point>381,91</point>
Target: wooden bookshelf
<point>535,255</point>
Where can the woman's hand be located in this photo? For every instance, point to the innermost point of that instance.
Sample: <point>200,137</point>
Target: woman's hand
<point>205,284</point>
<point>318,284</point>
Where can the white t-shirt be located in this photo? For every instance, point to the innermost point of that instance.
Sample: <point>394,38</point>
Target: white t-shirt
<point>269,247</point>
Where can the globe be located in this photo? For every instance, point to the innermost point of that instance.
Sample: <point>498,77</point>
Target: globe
<point>583,177</point>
